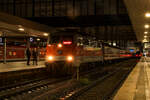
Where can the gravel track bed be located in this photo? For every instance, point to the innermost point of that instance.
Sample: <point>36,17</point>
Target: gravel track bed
<point>108,87</point>
<point>13,92</point>
<point>66,88</point>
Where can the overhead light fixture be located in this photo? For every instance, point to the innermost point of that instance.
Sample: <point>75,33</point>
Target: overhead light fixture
<point>145,36</point>
<point>145,40</point>
<point>147,15</point>
<point>146,26</point>
<point>21,29</point>
<point>38,39</point>
<point>114,44</point>
<point>146,32</point>
<point>45,34</point>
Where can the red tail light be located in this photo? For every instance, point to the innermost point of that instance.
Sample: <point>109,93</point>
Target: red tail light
<point>67,42</point>
<point>136,55</point>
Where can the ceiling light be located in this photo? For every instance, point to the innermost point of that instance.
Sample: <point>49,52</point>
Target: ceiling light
<point>146,26</point>
<point>147,15</point>
<point>145,36</point>
<point>114,44</point>
<point>38,39</point>
<point>145,32</point>
<point>145,40</point>
<point>21,29</point>
<point>45,34</point>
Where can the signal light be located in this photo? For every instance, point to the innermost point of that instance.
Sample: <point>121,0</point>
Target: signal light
<point>67,42</point>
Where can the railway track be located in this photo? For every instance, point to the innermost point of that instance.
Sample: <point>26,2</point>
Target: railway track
<point>9,86</point>
<point>27,88</point>
<point>10,92</point>
<point>42,89</point>
<point>66,91</point>
<point>103,88</point>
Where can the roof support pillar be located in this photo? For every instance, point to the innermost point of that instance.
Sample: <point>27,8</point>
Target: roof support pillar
<point>122,44</point>
<point>125,44</point>
<point>5,49</point>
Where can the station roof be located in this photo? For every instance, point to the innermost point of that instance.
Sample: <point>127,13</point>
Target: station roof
<point>137,10</point>
<point>14,26</point>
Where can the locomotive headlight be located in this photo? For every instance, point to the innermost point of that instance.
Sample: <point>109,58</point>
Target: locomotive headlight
<point>50,58</point>
<point>59,45</point>
<point>69,58</point>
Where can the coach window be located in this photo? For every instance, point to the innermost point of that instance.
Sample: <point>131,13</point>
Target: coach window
<point>95,44</point>
<point>10,53</point>
<point>85,41</point>
<point>14,53</point>
<point>99,44</point>
<point>79,41</point>
<point>55,39</point>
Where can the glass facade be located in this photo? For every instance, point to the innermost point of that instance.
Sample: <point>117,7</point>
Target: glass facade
<point>42,8</point>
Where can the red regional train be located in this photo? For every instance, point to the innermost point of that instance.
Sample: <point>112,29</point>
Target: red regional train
<point>74,49</point>
<point>18,53</point>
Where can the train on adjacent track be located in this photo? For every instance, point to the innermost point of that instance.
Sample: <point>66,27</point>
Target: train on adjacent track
<point>18,53</point>
<point>74,49</point>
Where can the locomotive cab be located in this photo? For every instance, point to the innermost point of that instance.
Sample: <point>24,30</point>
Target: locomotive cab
<point>62,47</point>
<point>72,48</point>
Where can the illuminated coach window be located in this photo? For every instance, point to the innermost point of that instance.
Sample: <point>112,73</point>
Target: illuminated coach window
<point>14,53</point>
<point>10,53</point>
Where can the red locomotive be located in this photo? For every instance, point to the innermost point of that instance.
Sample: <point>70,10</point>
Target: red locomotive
<point>74,49</point>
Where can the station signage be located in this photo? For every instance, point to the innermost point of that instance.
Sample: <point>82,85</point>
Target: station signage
<point>31,39</point>
<point>1,42</point>
<point>1,39</point>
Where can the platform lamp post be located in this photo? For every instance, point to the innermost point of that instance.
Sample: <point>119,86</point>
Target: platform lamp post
<point>38,43</point>
<point>5,48</point>
<point>77,66</point>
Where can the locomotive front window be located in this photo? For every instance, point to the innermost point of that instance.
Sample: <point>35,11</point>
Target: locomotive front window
<point>54,39</point>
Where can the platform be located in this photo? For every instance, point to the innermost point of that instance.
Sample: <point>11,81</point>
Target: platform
<point>16,66</point>
<point>137,85</point>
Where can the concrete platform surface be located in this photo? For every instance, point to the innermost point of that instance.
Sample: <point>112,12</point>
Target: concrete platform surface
<point>137,85</point>
<point>16,66</point>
